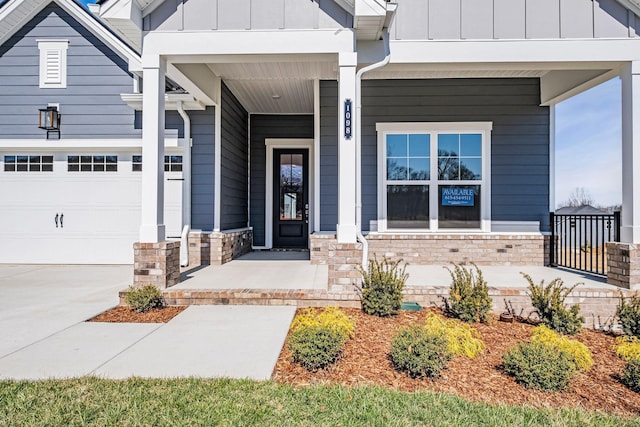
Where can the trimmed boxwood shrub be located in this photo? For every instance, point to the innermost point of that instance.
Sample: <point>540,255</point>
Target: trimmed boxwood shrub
<point>143,299</point>
<point>469,298</point>
<point>419,352</point>
<point>382,285</point>
<point>539,365</point>
<point>316,347</point>
<point>631,375</point>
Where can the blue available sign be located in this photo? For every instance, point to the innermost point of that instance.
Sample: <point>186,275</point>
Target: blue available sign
<point>456,196</point>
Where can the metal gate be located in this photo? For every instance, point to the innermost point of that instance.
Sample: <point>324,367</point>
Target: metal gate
<point>578,241</point>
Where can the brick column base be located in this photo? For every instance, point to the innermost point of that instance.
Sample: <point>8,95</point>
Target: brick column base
<point>343,260</point>
<point>156,264</point>
<point>208,248</point>
<point>623,265</point>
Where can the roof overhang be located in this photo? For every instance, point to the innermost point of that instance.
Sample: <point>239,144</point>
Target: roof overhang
<point>14,14</point>
<point>171,101</point>
<point>125,17</point>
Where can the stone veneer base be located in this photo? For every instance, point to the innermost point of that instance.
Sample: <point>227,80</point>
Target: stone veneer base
<point>156,264</point>
<point>209,248</point>
<point>623,265</point>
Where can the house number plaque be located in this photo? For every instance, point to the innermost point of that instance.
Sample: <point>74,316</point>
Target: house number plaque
<point>348,121</point>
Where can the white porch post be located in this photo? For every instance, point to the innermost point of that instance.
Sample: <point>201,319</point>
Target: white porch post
<point>630,230</point>
<point>346,227</point>
<point>152,229</point>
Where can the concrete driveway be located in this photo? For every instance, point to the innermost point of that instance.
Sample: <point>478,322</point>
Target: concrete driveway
<point>43,333</point>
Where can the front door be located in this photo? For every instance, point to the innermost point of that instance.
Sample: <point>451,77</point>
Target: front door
<point>291,198</point>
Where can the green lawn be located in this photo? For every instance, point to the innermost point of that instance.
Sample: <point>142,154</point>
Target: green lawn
<point>91,401</point>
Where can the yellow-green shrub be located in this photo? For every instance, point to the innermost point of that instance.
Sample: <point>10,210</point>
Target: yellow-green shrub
<point>330,317</point>
<point>577,352</point>
<point>628,348</point>
<point>461,338</point>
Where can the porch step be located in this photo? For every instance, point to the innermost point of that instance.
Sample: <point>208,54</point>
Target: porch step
<point>597,304</point>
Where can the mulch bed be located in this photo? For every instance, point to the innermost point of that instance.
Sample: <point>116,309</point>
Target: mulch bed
<point>365,361</point>
<point>124,314</point>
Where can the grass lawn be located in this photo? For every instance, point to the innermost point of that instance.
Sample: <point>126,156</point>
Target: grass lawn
<point>92,401</point>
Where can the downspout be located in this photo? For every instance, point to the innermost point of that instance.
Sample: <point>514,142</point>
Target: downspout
<point>186,189</point>
<point>359,74</point>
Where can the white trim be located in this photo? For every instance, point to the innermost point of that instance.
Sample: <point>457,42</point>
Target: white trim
<point>272,144</point>
<point>90,144</point>
<point>316,153</point>
<point>217,169</point>
<point>433,129</point>
<point>53,63</point>
<point>77,12</point>
<point>515,226</point>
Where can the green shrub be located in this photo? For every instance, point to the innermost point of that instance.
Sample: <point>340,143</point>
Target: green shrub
<point>577,352</point>
<point>462,339</point>
<point>382,286</point>
<point>539,365</point>
<point>419,352</point>
<point>469,298</point>
<point>631,375</point>
<point>549,304</point>
<point>143,299</point>
<point>330,317</point>
<point>628,313</point>
<point>316,347</point>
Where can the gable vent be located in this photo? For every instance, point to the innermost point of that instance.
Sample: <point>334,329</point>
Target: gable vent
<point>53,63</point>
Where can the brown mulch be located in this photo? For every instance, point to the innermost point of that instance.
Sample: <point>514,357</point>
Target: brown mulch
<point>365,361</point>
<point>124,314</point>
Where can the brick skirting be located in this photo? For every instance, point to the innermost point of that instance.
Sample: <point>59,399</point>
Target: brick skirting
<point>208,248</point>
<point>596,305</point>
<point>156,264</point>
<point>623,265</point>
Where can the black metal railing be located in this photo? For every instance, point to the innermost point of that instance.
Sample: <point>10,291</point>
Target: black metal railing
<point>578,241</point>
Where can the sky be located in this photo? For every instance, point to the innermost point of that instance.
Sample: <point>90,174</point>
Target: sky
<point>588,143</point>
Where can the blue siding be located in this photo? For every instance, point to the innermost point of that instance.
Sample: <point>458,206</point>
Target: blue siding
<point>235,162</point>
<point>202,168</point>
<point>96,76</point>
<point>520,137</point>
<point>328,155</point>
<point>263,127</point>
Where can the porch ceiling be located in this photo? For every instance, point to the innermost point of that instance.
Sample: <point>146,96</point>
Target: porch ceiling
<point>274,87</point>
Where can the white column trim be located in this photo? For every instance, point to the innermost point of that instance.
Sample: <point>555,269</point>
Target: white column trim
<point>316,154</point>
<point>630,227</point>
<point>552,157</point>
<point>152,229</point>
<point>217,168</point>
<point>272,144</point>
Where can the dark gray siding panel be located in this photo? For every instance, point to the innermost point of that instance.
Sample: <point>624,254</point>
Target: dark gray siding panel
<point>235,160</point>
<point>90,105</point>
<point>264,127</point>
<point>520,137</point>
<point>202,168</point>
<point>329,155</point>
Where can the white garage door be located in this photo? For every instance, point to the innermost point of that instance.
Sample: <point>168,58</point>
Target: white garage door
<point>72,208</point>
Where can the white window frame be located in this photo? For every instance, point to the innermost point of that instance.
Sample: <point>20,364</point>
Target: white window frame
<point>59,48</point>
<point>433,129</point>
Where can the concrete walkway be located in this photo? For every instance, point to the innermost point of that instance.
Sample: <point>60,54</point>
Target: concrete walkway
<point>43,333</point>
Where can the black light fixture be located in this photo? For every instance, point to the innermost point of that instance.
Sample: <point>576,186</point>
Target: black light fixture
<point>50,120</point>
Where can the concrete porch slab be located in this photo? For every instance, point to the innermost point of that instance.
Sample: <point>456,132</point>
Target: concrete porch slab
<point>257,270</point>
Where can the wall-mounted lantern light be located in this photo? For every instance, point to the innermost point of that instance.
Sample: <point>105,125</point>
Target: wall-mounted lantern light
<point>50,120</point>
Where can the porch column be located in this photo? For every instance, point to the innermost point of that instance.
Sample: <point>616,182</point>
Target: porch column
<point>346,227</point>
<point>630,231</point>
<point>152,229</point>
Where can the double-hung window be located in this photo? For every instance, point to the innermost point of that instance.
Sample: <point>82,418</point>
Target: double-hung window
<point>434,176</point>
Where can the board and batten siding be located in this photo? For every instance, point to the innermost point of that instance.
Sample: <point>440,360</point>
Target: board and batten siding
<point>202,168</point>
<point>328,155</point>
<point>90,105</point>
<point>512,19</point>
<point>520,136</point>
<point>202,15</point>
<point>264,127</point>
<point>235,162</point>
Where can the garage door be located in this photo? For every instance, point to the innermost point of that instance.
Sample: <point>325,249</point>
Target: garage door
<point>75,208</point>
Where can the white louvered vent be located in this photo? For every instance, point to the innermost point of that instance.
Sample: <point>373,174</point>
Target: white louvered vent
<point>53,63</point>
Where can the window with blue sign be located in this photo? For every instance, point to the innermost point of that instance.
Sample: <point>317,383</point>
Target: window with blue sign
<point>433,176</point>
